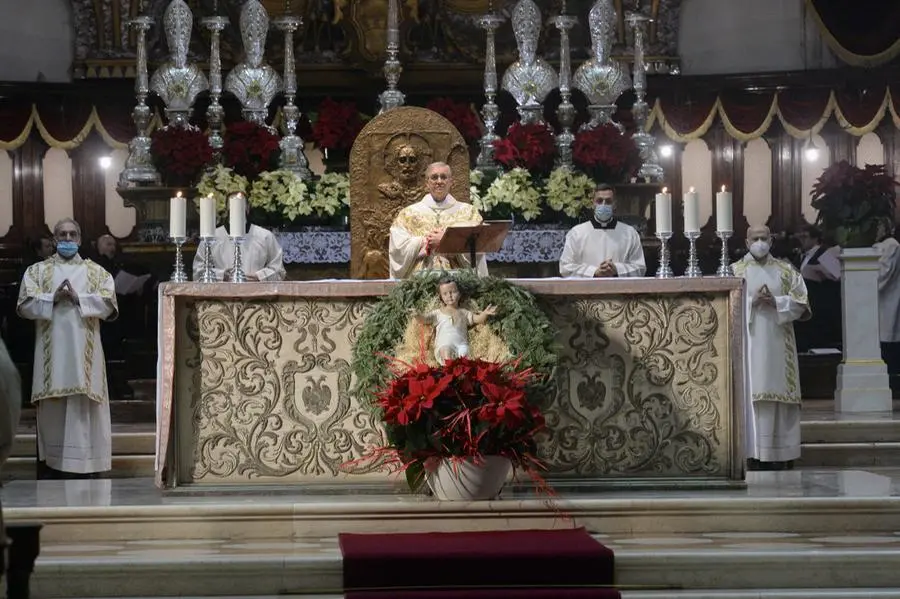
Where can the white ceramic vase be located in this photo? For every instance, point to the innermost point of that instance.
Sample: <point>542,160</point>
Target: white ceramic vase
<point>468,480</point>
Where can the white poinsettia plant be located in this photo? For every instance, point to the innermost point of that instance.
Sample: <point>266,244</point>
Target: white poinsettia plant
<point>221,182</point>
<point>514,189</point>
<point>569,192</point>
<point>476,181</point>
<point>281,192</point>
<point>332,194</point>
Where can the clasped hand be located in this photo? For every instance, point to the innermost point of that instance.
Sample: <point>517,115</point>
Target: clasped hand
<point>65,293</point>
<point>606,269</point>
<point>764,297</point>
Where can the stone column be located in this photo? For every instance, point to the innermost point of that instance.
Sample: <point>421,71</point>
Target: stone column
<point>862,380</point>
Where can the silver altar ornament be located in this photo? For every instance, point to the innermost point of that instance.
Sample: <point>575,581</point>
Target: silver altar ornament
<point>214,112</point>
<point>177,82</point>
<point>601,79</point>
<point>139,167</point>
<point>490,112</point>
<point>646,143</point>
<point>566,110</point>
<point>292,157</point>
<point>254,83</point>
<point>530,79</point>
<point>392,97</point>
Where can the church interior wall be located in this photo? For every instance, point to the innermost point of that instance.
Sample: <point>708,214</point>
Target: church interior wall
<point>37,40</point>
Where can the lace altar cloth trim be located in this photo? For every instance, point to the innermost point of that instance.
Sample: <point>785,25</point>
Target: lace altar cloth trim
<point>333,247</point>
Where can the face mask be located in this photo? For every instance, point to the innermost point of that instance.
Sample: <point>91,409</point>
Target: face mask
<point>759,249</point>
<point>67,249</point>
<point>603,212</point>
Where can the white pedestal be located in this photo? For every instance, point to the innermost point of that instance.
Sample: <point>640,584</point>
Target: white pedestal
<point>862,379</point>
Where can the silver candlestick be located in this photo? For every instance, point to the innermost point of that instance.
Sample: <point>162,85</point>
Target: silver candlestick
<point>139,164</point>
<point>237,275</point>
<point>725,269</point>
<point>650,168</point>
<point>208,275</point>
<point>392,97</point>
<point>693,269</point>
<point>665,268</point>
<point>490,112</point>
<point>566,111</point>
<point>179,275</point>
<point>215,113</point>
<point>292,157</point>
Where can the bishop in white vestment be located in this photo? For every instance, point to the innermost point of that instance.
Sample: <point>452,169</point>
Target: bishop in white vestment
<point>67,297</point>
<point>418,228</point>
<point>261,256</point>
<point>775,297</point>
<point>603,246</point>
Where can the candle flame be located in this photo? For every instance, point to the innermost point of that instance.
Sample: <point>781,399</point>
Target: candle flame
<point>723,188</point>
<point>178,195</point>
<point>692,190</point>
<point>210,196</point>
<point>665,190</point>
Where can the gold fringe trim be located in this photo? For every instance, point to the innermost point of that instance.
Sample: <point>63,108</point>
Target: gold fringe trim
<point>758,132</point>
<point>851,58</point>
<point>805,133</point>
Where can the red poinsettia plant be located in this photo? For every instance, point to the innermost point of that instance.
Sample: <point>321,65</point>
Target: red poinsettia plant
<point>606,155</point>
<point>336,125</point>
<point>180,154</point>
<point>856,205</point>
<point>462,116</point>
<point>250,149</point>
<point>526,146</point>
<point>464,408</point>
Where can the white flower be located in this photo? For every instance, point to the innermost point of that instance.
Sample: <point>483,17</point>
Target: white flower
<point>332,193</point>
<point>221,182</point>
<point>515,189</point>
<point>476,180</point>
<point>569,192</point>
<point>281,192</point>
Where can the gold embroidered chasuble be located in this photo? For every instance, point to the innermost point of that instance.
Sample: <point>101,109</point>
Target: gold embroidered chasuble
<point>68,354</point>
<point>412,225</point>
<point>771,349</point>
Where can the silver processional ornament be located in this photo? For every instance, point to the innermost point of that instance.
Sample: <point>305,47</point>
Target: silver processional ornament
<point>392,97</point>
<point>215,24</point>
<point>139,169</point>
<point>530,79</point>
<point>292,157</point>
<point>566,110</point>
<point>490,112</point>
<point>650,169</point>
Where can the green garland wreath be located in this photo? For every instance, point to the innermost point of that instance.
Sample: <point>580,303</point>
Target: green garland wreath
<point>520,322</point>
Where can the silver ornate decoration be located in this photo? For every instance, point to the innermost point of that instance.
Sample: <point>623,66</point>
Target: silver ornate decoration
<point>490,112</point>
<point>665,268</point>
<point>237,275</point>
<point>530,79</point>
<point>724,269</point>
<point>392,97</point>
<point>650,168</point>
<point>207,275</point>
<point>566,110</point>
<point>292,157</point>
<point>139,167</point>
<point>601,79</point>
<point>215,113</point>
<point>179,275</point>
<point>177,82</point>
<point>254,83</point>
<point>693,267</point>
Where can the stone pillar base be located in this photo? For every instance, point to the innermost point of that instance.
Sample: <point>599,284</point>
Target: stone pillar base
<point>863,387</point>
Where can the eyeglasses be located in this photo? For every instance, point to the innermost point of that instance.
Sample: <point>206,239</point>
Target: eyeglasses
<point>438,177</point>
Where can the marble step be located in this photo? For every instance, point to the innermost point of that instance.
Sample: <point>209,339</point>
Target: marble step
<point>123,443</point>
<point>867,593</point>
<point>849,455</point>
<point>123,466</point>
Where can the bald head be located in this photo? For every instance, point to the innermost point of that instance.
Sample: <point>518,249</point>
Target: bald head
<point>759,241</point>
<point>758,232</point>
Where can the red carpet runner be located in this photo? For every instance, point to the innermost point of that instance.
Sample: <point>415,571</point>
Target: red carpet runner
<point>516,564</point>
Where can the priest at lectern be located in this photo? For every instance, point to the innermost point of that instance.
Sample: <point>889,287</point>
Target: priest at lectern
<point>417,230</point>
<point>603,246</point>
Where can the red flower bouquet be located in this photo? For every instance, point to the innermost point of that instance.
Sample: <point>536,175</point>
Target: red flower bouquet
<point>526,146</point>
<point>463,409</point>
<point>180,154</point>
<point>606,155</point>
<point>250,149</point>
<point>461,115</point>
<point>337,125</point>
<point>855,205</point>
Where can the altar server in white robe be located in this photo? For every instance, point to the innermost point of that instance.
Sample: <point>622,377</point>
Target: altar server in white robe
<point>775,298</point>
<point>417,229</point>
<point>67,297</point>
<point>262,258</point>
<point>603,246</point>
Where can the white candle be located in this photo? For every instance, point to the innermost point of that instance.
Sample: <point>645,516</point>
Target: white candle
<point>393,28</point>
<point>664,212</point>
<point>724,207</point>
<point>237,212</point>
<point>691,212</point>
<point>208,216</point>
<point>178,216</point>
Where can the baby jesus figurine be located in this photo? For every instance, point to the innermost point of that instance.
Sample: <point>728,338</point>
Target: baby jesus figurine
<point>451,337</point>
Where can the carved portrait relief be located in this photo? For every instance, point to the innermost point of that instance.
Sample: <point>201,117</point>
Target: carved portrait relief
<point>387,173</point>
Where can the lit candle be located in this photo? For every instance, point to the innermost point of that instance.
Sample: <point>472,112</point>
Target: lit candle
<point>691,212</point>
<point>178,216</point>
<point>237,212</point>
<point>393,31</point>
<point>208,216</point>
<point>724,207</point>
<point>664,212</point>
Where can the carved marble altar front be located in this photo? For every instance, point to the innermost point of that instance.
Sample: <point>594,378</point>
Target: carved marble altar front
<point>256,382</point>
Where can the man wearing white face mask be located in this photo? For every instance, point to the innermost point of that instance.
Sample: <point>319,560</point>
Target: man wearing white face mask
<point>603,246</point>
<point>775,298</point>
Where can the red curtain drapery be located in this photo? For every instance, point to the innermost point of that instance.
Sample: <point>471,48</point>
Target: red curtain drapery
<point>863,32</point>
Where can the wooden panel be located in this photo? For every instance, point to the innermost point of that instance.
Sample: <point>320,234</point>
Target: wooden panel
<point>89,188</point>
<point>787,183</point>
<point>27,191</point>
<point>728,170</point>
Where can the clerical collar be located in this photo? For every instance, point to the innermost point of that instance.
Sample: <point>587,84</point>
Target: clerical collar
<point>611,224</point>
<point>447,202</point>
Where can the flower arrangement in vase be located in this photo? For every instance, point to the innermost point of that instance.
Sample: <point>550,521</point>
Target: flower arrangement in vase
<point>530,147</point>
<point>250,149</point>
<point>180,154</point>
<point>606,155</point>
<point>855,204</point>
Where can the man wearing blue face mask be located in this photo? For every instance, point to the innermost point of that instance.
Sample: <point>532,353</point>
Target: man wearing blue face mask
<point>603,246</point>
<point>67,297</point>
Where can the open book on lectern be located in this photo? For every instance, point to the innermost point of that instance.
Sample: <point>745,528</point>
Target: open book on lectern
<point>487,237</point>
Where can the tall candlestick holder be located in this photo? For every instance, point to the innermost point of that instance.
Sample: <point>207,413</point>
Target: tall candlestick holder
<point>237,275</point>
<point>207,275</point>
<point>693,268</point>
<point>392,97</point>
<point>179,275</point>
<point>215,113</point>
<point>566,110</point>
<point>725,269</point>
<point>665,268</point>
<point>490,112</point>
